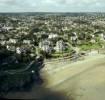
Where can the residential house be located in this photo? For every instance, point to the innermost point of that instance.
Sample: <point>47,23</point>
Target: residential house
<point>53,36</point>
<point>74,38</point>
<point>27,42</point>
<point>92,40</point>
<point>2,42</point>
<point>18,50</point>
<point>100,35</point>
<point>13,41</point>
<point>7,28</point>
<point>2,37</point>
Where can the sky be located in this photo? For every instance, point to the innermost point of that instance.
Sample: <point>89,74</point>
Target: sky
<point>52,5</point>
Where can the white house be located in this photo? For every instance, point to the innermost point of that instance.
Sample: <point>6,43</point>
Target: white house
<point>102,36</point>
<point>2,37</point>
<point>27,41</point>
<point>92,40</point>
<point>92,35</point>
<point>18,50</point>
<point>74,36</point>
<point>7,28</point>
<point>2,42</point>
<point>14,41</point>
<point>64,28</point>
<point>53,36</point>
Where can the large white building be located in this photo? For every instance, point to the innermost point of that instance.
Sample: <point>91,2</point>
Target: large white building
<point>60,46</point>
<point>45,46</point>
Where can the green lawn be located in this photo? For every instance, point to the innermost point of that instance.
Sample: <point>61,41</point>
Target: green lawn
<point>61,54</point>
<point>85,47</point>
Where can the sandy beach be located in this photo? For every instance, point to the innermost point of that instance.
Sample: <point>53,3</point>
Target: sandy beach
<point>81,80</point>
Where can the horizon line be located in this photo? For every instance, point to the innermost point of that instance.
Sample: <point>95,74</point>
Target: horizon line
<point>55,12</point>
